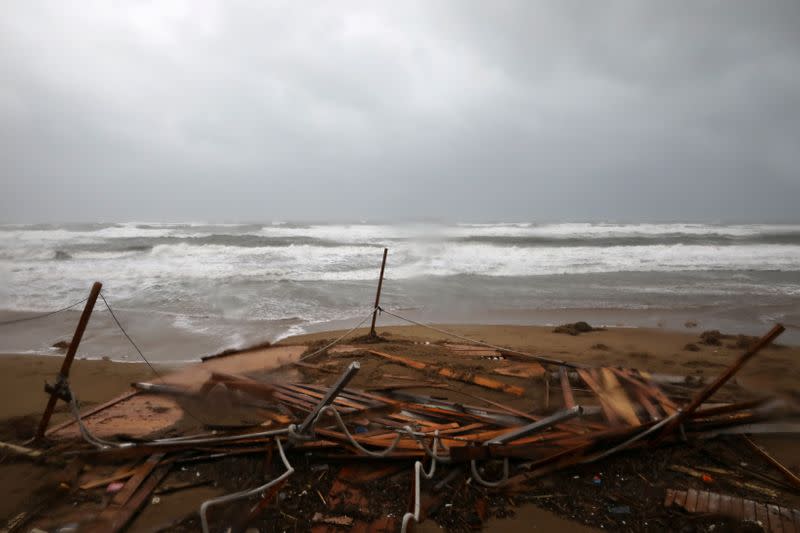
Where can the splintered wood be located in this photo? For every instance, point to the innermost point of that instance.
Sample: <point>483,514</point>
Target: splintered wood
<point>773,518</point>
<point>599,411</point>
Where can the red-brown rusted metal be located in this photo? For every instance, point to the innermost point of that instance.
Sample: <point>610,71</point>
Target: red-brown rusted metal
<point>378,294</point>
<point>63,374</point>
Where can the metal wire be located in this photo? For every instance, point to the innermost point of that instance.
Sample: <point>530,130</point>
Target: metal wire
<point>481,343</point>
<point>339,339</point>
<point>114,316</point>
<point>45,315</point>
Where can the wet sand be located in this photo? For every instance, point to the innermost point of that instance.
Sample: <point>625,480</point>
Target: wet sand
<point>657,350</point>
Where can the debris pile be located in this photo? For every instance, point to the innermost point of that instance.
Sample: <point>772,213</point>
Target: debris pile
<point>379,435</point>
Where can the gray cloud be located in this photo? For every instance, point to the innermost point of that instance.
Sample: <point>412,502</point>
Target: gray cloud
<point>617,110</point>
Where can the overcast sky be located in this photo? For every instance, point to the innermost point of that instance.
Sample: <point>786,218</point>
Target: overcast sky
<point>469,111</point>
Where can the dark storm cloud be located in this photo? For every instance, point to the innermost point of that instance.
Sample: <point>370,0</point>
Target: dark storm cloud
<point>455,110</point>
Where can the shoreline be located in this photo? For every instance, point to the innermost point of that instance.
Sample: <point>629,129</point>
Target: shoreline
<point>172,339</point>
<point>655,349</point>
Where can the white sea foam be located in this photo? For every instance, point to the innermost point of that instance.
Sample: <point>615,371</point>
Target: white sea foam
<point>171,266</point>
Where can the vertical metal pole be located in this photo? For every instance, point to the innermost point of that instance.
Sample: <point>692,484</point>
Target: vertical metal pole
<point>71,351</point>
<point>378,294</point>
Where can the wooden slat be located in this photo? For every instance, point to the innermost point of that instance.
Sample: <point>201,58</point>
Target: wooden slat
<point>724,504</point>
<point>566,388</point>
<point>762,515</point>
<point>737,507</point>
<point>144,470</point>
<point>691,500</point>
<point>669,498</point>
<point>127,502</point>
<point>749,510</point>
<point>713,502</point>
<point>787,521</point>
<point>666,404</point>
<point>775,520</point>
<point>339,400</point>
<point>466,377</point>
<point>608,410</point>
<point>680,498</point>
<point>618,397</point>
<point>520,370</point>
<point>702,501</point>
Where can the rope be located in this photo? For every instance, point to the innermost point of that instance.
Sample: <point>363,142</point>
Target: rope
<point>45,315</point>
<point>419,471</point>
<point>116,320</point>
<point>481,343</point>
<point>139,351</point>
<point>87,435</point>
<point>336,341</point>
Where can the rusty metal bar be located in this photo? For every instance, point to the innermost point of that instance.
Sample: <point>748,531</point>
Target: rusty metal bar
<point>723,378</point>
<point>378,294</point>
<point>541,425</point>
<point>330,396</point>
<point>790,476</point>
<point>63,374</point>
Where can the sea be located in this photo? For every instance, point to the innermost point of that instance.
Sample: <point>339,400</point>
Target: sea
<point>184,290</point>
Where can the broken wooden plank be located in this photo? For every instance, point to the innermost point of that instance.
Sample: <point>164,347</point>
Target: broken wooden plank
<point>669,498</point>
<point>748,485</point>
<point>117,515</point>
<point>566,388</point>
<point>608,410</point>
<point>787,520</point>
<point>762,515</point>
<point>618,398</point>
<point>520,370</point>
<point>119,476</point>
<point>713,502</point>
<point>773,518</point>
<point>142,472</point>
<point>466,377</point>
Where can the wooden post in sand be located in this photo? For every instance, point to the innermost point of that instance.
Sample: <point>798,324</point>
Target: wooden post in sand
<point>378,295</point>
<point>56,391</point>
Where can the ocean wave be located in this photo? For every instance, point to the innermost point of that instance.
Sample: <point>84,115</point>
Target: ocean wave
<point>305,262</point>
<point>332,234</point>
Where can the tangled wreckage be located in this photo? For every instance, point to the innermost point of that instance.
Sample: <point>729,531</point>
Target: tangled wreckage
<point>380,434</point>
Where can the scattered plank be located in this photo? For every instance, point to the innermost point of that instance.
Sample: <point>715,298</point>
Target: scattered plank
<point>466,377</point>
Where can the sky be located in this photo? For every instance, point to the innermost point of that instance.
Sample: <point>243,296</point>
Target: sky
<point>383,110</point>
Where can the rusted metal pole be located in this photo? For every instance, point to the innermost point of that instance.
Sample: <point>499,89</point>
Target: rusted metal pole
<point>378,294</point>
<point>790,476</point>
<point>63,374</point>
<point>330,396</point>
<point>723,378</point>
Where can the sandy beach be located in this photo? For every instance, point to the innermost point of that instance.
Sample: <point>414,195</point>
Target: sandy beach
<point>660,351</point>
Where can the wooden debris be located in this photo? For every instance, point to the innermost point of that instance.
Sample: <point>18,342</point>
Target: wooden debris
<point>521,370</point>
<point>773,518</point>
<point>619,408</point>
<point>735,482</point>
<point>466,377</point>
<point>566,388</point>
